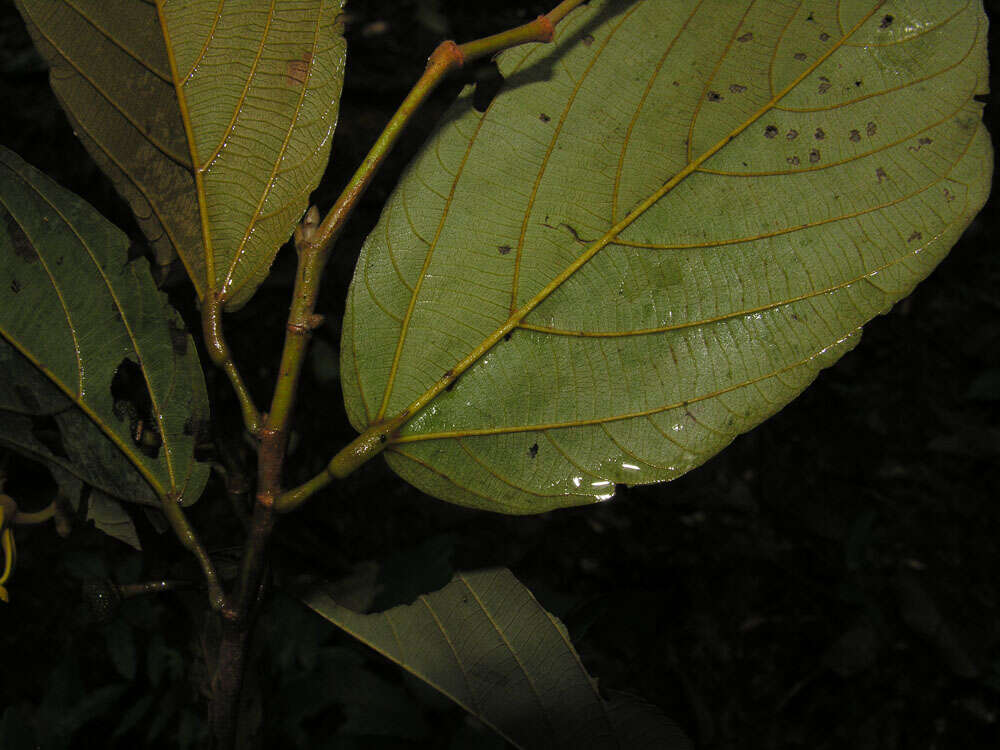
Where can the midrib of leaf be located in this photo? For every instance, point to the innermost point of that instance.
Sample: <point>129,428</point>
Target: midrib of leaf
<point>515,319</point>
<point>771,305</point>
<point>78,397</point>
<point>789,230</point>
<point>281,154</point>
<point>202,165</point>
<point>196,165</point>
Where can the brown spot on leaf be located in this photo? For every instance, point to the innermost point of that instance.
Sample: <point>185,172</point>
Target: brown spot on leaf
<point>813,156</point>
<point>544,117</point>
<point>820,134</point>
<point>770,131</point>
<point>948,196</point>
<point>854,137</point>
<point>886,21</point>
<point>870,129</point>
<point>714,96</point>
<point>824,37</point>
<point>793,160</point>
<point>800,56</point>
<point>504,249</point>
<point>824,87</point>
<point>587,40</point>
<point>533,450</point>
<point>297,71</point>
<point>23,248</point>
<point>737,88</point>
<point>914,237</point>
<point>507,336</point>
<point>792,135</point>
<point>746,37</point>
<point>881,175</point>
<point>15,286</point>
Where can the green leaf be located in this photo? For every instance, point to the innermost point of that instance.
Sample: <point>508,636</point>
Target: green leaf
<point>488,645</point>
<point>657,235</point>
<point>214,120</point>
<point>111,518</point>
<point>77,323</point>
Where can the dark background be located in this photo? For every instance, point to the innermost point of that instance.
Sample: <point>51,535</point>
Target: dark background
<point>829,581</point>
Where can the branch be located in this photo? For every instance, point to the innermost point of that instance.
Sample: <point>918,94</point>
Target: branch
<point>447,57</point>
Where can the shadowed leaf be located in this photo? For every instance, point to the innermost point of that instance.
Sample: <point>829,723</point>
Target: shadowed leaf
<point>73,312</point>
<point>487,644</point>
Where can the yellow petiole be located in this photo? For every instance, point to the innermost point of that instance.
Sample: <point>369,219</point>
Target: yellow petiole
<point>9,553</point>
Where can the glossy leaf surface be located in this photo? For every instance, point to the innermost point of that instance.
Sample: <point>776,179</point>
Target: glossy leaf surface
<point>486,643</point>
<point>98,377</point>
<point>658,233</point>
<point>213,119</point>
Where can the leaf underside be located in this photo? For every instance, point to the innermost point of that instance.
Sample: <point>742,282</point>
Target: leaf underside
<point>486,643</point>
<point>657,235</point>
<point>75,316</point>
<point>214,120</point>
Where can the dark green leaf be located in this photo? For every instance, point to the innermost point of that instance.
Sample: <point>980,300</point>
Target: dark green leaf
<point>99,376</point>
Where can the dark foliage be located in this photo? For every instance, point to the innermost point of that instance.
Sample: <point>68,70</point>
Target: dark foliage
<point>830,581</point>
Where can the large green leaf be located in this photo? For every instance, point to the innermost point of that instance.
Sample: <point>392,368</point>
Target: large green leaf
<point>77,321</point>
<point>214,120</point>
<point>661,231</point>
<point>486,643</point>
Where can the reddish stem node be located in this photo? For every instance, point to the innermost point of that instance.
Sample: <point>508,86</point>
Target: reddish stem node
<point>548,28</point>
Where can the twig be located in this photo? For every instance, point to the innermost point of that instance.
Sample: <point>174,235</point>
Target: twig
<point>447,57</point>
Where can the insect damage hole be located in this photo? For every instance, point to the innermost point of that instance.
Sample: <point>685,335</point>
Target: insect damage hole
<point>132,404</point>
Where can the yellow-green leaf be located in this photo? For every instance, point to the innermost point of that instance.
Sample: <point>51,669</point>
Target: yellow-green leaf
<point>660,231</point>
<point>214,120</point>
<point>487,644</point>
<point>98,376</point>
